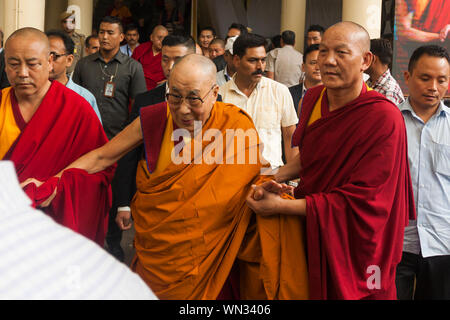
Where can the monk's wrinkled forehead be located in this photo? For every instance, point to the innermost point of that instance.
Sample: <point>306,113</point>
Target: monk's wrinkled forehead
<point>35,41</point>
<point>196,66</point>
<point>350,33</point>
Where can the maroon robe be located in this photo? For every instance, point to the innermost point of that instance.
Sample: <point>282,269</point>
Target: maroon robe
<point>356,182</point>
<point>151,64</point>
<point>63,128</point>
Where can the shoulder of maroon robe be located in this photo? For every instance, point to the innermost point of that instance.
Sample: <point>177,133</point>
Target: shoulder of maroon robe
<point>153,125</point>
<point>141,50</point>
<point>308,102</point>
<point>64,124</point>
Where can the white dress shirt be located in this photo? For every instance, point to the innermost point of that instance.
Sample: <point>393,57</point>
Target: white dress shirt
<point>271,107</point>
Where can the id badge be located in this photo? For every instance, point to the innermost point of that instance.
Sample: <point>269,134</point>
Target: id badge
<point>110,87</point>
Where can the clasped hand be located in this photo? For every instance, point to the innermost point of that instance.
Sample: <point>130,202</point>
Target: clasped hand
<point>266,199</point>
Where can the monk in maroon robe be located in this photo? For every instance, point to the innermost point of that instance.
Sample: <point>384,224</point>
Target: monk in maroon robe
<point>149,55</point>
<point>46,127</point>
<point>355,186</point>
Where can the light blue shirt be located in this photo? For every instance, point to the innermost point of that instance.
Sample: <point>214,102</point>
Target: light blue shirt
<point>127,50</point>
<point>429,159</point>
<point>86,94</point>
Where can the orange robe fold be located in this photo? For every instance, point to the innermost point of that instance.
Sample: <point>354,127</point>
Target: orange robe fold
<point>192,222</point>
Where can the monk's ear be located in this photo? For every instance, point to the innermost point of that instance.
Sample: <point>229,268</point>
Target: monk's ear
<point>50,62</point>
<point>216,91</point>
<point>367,60</point>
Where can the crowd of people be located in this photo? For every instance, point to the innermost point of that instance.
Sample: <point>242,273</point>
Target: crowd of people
<point>250,170</point>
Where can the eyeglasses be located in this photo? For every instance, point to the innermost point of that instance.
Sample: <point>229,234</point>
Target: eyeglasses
<point>57,56</point>
<point>176,99</point>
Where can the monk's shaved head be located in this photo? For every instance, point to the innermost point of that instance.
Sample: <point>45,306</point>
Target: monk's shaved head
<point>195,63</point>
<point>159,28</point>
<point>28,63</point>
<point>356,33</point>
<point>344,55</point>
<point>29,34</point>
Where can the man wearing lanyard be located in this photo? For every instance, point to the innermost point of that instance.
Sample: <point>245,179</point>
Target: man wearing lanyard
<point>115,79</point>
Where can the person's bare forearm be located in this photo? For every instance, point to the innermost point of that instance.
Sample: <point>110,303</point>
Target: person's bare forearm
<point>293,207</point>
<point>108,154</point>
<point>289,151</point>
<point>419,35</point>
<point>289,171</point>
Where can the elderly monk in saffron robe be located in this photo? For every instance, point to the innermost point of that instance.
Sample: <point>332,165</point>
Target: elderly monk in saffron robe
<point>355,185</point>
<point>43,128</point>
<point>195,236</point>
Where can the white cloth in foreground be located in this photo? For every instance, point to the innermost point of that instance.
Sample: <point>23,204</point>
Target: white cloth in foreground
<point>40,259</point>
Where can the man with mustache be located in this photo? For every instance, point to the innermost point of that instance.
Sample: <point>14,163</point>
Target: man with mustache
<point>355,187</point>
<point>268,102</point>
<point>424,271</point>
<point>44,126</point>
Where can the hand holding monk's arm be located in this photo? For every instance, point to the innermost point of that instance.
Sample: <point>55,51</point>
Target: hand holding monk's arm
<point>108,154</point>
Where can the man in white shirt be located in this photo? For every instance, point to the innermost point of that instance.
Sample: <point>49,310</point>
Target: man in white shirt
<point>285,64</point>
<point>42,260</point>
<point>268,102</point>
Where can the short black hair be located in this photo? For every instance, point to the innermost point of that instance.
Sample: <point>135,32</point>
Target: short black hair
<point>238,26</point>
<point>382,49</point>
<point>249,40</point>
<point>112,20</point>
<point>288,37</point>
<point>276,40</point>
<point>131,27</point>
<point>208,28</point>
<point>308,50</point>
<point>87,43</point>
<point>430,50</point>
<point>316,27</point>
<point>173,40</point>
<point>69,45</point>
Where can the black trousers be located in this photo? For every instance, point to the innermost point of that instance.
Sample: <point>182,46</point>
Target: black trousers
<point>114,234</point>
<point>422,278</point>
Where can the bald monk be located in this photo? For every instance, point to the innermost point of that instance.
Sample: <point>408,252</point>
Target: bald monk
<point>355,186</point>
<point>45,126</point>
<point>195,237</point>
<point>149,55</point>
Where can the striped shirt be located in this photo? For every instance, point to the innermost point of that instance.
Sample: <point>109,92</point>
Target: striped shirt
<point>40,259</point>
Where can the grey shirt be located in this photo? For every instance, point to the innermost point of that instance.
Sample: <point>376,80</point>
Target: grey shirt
<point>93,73</point>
